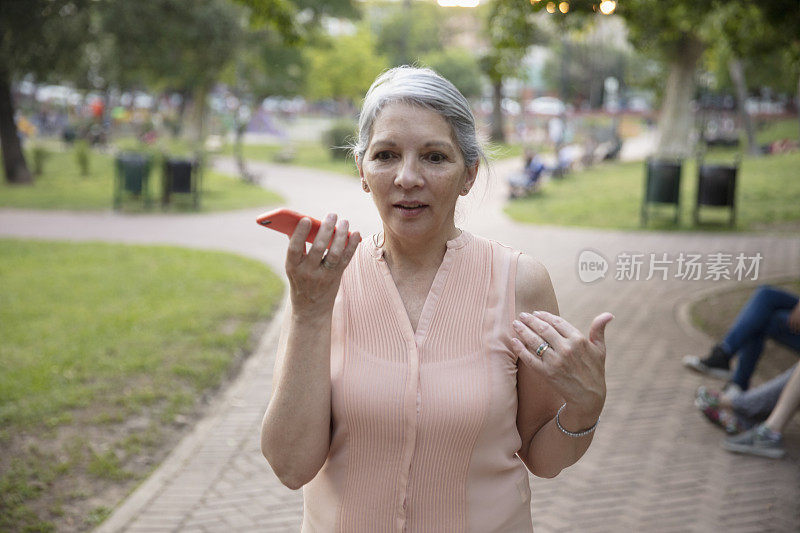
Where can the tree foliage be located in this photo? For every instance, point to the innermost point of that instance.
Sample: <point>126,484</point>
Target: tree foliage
<point>680,32</point>
<point>583,59</point>
<point>404,34</point>
<point>295,19</point>
<point>458,65</point>
<point>511,30</point>
<point>343,68</point>
<point>422,33</point>
<point>770,57</point>
<point>43,37</point>
<point>172,43</point>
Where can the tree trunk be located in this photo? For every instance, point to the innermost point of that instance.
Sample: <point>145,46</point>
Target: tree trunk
<point>194,127</point>
<point>200,115</point>
<point>737,76</point>
<point>238,152</point>
<point>675,123</point>
<point>16,169</point>
<point>498,131</point>
<point>182,112</point>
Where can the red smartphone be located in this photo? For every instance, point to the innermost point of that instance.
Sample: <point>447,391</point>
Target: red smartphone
<point>285,220</point>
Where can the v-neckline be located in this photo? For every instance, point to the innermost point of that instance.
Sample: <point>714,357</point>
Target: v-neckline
<point>434,293</point>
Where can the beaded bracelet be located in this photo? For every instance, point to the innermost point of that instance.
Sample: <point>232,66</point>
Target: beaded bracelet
<point>572,433</point>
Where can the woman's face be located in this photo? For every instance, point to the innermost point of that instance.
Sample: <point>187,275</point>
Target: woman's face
<point>415,172</point>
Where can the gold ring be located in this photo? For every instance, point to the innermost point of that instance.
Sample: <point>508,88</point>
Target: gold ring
<point>541,349</point>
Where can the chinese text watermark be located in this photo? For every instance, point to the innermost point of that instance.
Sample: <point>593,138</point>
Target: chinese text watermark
<point>634,266</point>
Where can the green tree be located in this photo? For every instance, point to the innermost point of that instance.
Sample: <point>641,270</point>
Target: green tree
<point>270,60</point>
<point>407,32</point>
<point>44,38</point>
<point>344,67</point>
<point>174,44</point>
<point>511,30</point>
<point>458,65</point>
<point>784,17</point>
<point>265,65</point>
<point>583,58</point>
<point>746,33</point>
<point>679,33</point>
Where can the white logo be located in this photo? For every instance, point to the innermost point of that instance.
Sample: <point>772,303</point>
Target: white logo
<point>591,266</point>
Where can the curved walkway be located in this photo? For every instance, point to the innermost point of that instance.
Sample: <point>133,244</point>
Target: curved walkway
<point>655,465</point>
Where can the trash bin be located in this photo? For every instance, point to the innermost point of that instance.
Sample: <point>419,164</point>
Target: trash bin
<point>181,176</point>
<point>662,185</point>
<point>132,177</point>
<point>716,187</point>
<point>68,135</point>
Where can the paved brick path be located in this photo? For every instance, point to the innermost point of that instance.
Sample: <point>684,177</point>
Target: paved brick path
<point>655,465</point>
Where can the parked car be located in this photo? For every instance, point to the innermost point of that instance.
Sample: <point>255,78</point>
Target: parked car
<point>546,105</point>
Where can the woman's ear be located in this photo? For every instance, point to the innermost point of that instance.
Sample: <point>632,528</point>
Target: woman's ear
<point>358,166</point>
<point>471,176</point>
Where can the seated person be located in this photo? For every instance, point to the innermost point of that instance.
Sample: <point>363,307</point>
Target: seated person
<point>770,313</point>
<point>528,180</point>
<point>766,439</point>
<point>742,412</point>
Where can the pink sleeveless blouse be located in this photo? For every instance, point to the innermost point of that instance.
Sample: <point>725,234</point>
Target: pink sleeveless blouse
<point>424,435</point>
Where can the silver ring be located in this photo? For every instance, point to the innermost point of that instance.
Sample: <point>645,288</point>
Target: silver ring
<point>329,266</point>
<point>541,349</point>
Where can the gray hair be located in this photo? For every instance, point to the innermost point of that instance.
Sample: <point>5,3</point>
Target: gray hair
<point>425,88</point>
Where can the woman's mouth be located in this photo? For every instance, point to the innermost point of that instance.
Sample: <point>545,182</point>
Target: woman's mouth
<point>410,209</point>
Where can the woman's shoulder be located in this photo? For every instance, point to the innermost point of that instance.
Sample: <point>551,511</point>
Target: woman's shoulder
<point>534,289</point>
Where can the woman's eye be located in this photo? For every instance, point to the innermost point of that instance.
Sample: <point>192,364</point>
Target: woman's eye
<point>436,157</point>
<point>383,156</point>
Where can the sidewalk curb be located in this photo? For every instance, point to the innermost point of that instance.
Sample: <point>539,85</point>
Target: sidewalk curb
<point>682,310</point>
<point>132,506</point>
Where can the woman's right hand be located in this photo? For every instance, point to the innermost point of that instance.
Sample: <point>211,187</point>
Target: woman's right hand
<point>314,277</point>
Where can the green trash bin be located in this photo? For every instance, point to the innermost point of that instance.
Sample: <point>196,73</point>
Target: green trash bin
<point>662,185</point>
<point>132,177</point>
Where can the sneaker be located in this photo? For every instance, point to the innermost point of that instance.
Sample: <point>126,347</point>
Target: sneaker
<point>760,441</point>
<point>731,391</point>
<point>717,364</point>
<point>724,419</point>
<point>706,397</point>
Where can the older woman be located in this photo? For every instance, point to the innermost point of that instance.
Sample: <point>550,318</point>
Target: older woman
<point>421,370</point>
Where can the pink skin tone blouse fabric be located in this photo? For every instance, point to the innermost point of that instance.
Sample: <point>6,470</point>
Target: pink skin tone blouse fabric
<point>424,435</point>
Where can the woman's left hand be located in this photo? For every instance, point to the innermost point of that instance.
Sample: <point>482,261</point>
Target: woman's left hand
<point>573,364</point>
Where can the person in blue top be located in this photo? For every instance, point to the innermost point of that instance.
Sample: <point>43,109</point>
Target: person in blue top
<point>528,181</point>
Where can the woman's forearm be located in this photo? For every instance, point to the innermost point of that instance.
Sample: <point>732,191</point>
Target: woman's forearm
<point>551,450</point>
<point>295,433</point>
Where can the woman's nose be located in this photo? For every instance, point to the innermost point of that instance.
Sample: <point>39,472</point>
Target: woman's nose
<point>408,175</point>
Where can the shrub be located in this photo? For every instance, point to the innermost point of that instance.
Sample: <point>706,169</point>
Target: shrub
<point>82,156</point>
<point>338,138</point>
<point>40,155</point>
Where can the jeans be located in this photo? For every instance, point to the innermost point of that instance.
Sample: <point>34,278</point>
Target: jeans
<point>755,405</point>
<point>764,315</point>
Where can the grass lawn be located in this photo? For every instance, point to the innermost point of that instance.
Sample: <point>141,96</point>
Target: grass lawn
<point>108,354</point>
<point>609,195</point>
<point>306,154</point>
<point>62,187</point>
